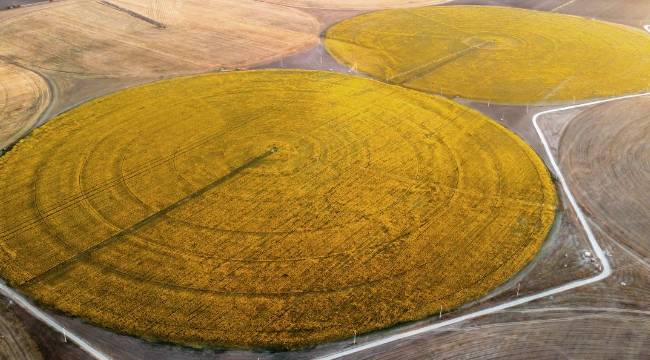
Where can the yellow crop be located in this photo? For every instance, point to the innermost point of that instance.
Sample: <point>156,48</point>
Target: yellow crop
<point>268,208</point>
<point>504,55</point>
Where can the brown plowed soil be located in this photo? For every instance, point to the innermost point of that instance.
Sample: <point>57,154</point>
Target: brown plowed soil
<point>606,151</point>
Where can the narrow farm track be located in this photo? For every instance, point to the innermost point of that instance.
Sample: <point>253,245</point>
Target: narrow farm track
<point>586,336</point>
<point>629,12</point>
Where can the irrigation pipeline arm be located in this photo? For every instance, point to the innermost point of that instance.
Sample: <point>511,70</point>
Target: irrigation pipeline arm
<point>605,273</point>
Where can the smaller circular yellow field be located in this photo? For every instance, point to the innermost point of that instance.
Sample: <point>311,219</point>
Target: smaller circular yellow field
<point>498,54</point>
<point>268,208</point>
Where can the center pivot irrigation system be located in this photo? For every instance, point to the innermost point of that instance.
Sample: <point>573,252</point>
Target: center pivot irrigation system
<point>598,251</point>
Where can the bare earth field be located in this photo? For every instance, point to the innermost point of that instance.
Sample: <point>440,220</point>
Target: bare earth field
<point>23,96</point>
<point>630,12</point>
<point>605,320</point>
<point>142,38</point>
<point>532,335</point>
<point>607,152</point>
<point>15,342</point>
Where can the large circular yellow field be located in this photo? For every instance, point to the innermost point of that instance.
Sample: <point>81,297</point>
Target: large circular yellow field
<point>268,208</point>
<point>498,54</point>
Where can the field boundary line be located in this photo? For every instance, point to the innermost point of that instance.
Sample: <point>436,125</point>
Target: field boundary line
<point>51,322</point>
<point>598,251</point>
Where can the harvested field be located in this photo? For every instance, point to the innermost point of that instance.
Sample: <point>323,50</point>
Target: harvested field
<point>268,208</point>
<point>496,54</point>
<point>607,151</point>
<point>152,38</point>
<point>24,95</point>
<point>354,4</point>
<point>629,12</point>
<point>593,334</point>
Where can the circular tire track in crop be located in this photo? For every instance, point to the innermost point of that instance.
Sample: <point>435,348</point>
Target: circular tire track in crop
<point>268,208</point>
<point>498,54</point>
